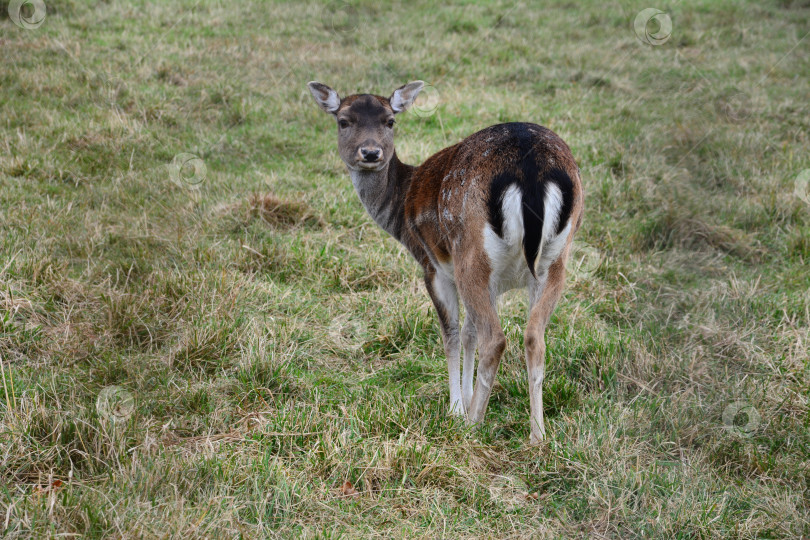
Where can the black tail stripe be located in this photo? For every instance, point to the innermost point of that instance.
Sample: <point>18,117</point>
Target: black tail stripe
<point>495,201</point>
<point>566,185</point>
<point>533,209</point>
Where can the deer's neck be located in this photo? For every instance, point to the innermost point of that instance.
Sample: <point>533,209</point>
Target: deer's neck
<point>383,195</point>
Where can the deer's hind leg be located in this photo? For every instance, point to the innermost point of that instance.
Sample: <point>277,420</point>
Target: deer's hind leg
<point>479,301</point>
<point>544,292</point>
<point>469,338</point>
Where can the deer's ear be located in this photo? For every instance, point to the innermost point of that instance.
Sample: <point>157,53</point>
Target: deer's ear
<point>403,97</point>
<point>325,97</point>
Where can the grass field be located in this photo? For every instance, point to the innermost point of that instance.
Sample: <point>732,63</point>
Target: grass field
<point>203,333</point>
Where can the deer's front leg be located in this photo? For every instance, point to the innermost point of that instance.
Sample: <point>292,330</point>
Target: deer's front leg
<point>442,291</point>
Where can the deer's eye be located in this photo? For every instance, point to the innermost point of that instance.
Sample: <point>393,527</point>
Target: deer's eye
<point>343,123</point>
<point>390,122</point>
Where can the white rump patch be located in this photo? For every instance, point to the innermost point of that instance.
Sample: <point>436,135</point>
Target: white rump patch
<point>506,256</point>
<point>505,253</point>
<point>552,206</point>
<point>551,243</point>
<point>512,209</point>
<point>552,250</point>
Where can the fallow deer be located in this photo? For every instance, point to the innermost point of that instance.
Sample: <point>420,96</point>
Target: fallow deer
<point>496,211</point>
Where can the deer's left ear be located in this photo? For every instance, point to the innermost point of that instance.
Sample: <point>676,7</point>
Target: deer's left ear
<point>403,97</point>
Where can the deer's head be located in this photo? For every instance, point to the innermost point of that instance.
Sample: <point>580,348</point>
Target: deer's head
<point>365,123</point>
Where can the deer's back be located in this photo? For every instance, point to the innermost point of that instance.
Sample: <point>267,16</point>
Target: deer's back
<point>462,189</point>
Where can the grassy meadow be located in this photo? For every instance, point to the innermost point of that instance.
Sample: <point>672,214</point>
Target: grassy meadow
<point>203,334</point>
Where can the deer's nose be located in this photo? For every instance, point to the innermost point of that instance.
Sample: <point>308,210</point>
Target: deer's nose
<point>370,153</point>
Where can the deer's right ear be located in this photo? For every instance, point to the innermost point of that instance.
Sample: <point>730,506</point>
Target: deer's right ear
<point>403,97</point>
<point>326,98</point>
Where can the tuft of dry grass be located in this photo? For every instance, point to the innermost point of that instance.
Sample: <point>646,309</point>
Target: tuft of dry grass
<point>277,212</point>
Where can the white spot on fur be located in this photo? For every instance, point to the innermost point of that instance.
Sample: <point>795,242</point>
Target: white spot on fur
<point>426,217</point>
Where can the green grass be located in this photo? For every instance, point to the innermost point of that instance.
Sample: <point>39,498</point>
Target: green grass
<point>275,343</point>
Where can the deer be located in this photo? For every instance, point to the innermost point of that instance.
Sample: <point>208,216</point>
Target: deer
<point>494,212</point>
